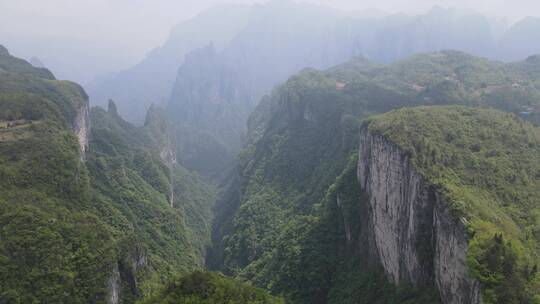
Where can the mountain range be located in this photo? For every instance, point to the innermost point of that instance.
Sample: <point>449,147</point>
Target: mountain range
<point>240,53</point>
<point>280,153</point>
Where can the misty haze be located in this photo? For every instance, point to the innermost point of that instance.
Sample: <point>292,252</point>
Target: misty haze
<point>282,151</point>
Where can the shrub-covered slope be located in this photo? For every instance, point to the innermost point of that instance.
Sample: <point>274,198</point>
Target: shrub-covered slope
<point>131,190</point>
<point>210,288</point>
<point>51,246</point>
<point>93,230</point>
<point>300,140</point>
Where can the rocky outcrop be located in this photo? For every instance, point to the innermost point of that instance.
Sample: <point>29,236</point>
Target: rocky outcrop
<point>167,154</point>
<point>209,106</point>
<point>81,127</point>
<point>113,296</point>
<point>123,282</point>
<point>346,225</point>
<point>162,132</point>
<point>135,261</point>
<point>138,259</point>
<point>416,237</point>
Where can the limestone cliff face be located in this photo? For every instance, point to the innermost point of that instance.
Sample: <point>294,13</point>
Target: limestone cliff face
<point>123,280</point>
<point>162,132</point>
<point>81,127</point>
<point>113,296</point>
<point>416,237</point>
<point>167,154</point>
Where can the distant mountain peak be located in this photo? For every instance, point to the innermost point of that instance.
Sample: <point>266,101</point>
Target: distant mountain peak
<point>437,9</point>
<point>281,2</point>
<point>533,59</point>
<point>3,50</point>
<point>531,19</point>
<point>369,13</point>
<point>442,12</point>
<point>111,108</point>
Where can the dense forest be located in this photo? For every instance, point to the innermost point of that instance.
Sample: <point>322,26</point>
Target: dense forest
<point>72,231</point>
<point>302,139</point>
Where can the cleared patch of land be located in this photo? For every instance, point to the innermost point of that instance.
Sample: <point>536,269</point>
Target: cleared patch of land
<point>16,129</point>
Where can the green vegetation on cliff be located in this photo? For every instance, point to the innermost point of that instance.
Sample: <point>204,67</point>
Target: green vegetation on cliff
<point>71,231</point>
<point>51,246</point>
<point>130,188</point>
<point>299,141</point>
<point>486,163</point>
<point>210,288</point>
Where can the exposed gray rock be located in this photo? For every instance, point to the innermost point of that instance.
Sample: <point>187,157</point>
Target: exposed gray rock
<point>167,154</point>
<point>81,127</point>
<point>124,282</point>
<point>139,259</point>
<point>113,296</point>
<point>346,226</point>
<point>417,239</point>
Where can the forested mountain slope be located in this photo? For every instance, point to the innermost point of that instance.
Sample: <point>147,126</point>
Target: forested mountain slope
<point>88,214</point>
<point>51,247</point>
<point>298,207</point>
<point>210,288</point>
<point>161,210</point>
<point>410,182</point>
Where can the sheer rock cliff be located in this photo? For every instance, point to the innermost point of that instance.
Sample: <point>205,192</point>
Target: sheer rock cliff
<point>416,237</point>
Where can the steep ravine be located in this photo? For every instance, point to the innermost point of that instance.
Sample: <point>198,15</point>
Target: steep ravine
<point>417,239</point>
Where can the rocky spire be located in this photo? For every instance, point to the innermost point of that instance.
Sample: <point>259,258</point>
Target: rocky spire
<point>111,108</point>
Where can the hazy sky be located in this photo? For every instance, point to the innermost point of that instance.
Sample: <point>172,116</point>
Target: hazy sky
<point>115,34</point>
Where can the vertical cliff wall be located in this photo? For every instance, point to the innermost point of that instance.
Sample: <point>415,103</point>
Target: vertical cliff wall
<point>417,239</point>
<point>167,154</point>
